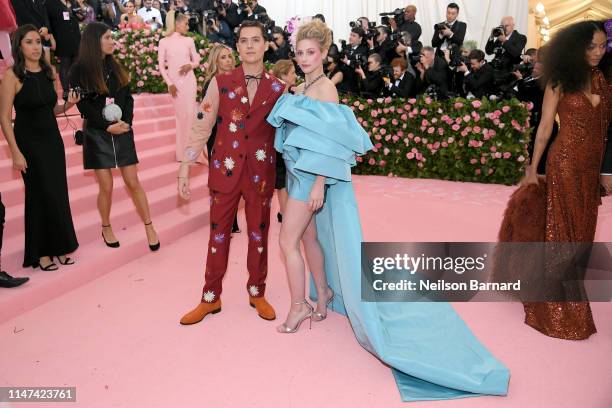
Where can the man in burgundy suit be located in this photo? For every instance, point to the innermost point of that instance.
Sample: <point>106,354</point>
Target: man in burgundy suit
<point>242,164</point>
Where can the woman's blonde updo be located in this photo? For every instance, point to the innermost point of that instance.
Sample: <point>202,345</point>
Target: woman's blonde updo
<point>318,31</point>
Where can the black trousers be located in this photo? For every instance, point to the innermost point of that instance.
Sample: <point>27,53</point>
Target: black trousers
<point>2,213</point>
<point>65,65</point>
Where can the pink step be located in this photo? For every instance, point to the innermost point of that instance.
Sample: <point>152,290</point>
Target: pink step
<point>94,259</point>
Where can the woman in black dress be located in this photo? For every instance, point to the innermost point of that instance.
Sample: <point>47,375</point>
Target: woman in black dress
<point>108,144</point>
<point>64,26</point>
<point>37,151</point>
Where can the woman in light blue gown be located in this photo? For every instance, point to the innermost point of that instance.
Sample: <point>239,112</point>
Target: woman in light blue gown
<point>432,353</point>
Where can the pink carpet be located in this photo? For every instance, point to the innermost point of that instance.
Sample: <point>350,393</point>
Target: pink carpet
<point>109,324</point>
<point>117,338</point>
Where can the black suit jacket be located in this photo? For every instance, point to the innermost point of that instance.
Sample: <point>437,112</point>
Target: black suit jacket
<point>480,82</point>
<point>406,87</point>
<point>512,49</point>
<point>233,18</point>
<point>31,12</point>
<point>437,74</point>
<point>458,28</point>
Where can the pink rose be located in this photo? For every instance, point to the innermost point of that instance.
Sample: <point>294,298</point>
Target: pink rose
<point>466,118</point>
<point>395,138</point>
<point>382,163</point>
<point>419,156</point>
<point>394,122</point>
<point>521,158</point>
<point>506,109</point>
<point>476,104</point>
<point>374,113</point>
<point>451,139</point>
<point>440,131</point>
<point>456,127</point>
<point>371,162</point>
<point>359,159</point>
<point>483,160</point>
<point>424,122</point>
<point>473,161</point>
<point>378,145</point>
<point>423,112</point>
<point>416,139</point>
<point>444,144</point>
<point>410,155</point>
<point>477,171</point>
<point>431,130</point>
<point>458,105</point>
<point>404,117</point>
<point>507,155</point>
<point>498,155</point>
<point>386,151</point>
<point>383,131</point>
<point>383,121</point>
<point>378,137</point>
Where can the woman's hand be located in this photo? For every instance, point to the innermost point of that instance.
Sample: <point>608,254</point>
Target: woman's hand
<point>606,182</point>
<point>118,128</point>
<point>173,91</point>
<point>73,97</point>
<point>19,161</point>
<point>316,196</point>
<point>185,69</point>
<point>183,182</point>
<point>531,177</point>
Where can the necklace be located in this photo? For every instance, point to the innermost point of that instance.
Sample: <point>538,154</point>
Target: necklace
<point>313,81</point>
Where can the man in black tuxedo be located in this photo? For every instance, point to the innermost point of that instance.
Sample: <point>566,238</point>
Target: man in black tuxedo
<point>433,70</point>
<point>383,46</point>
<point>403,83</point>
<point>229,13</point>
<point>479,79</point>
<point>510,43</point>
<point>451,31</point>
<point>32,12</point>
<point>371,83</point>
<point>355,51</point>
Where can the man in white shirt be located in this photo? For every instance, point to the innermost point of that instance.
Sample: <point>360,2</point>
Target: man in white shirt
<point>150,15</point>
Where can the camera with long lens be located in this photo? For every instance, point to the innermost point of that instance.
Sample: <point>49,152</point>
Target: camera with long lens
<point>397,15</point>
<point>243,4</point>
<point>456,58</point>
<point>498,31</point>
<point>497,62</point>
<point>80,92</point>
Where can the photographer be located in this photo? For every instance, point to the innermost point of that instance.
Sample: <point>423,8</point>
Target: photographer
<point>218,30</point>
<point>150,15</point>
<point>507,45</point>
<point>433,73</point>
<point>353,54</point>
<point>279,48</point>
<point>410,25</point>
<point>228,12</point>
<point>384,46</point>
<point>451,31</point>
<point>372,83</point>
<point>409,49</point>
<point>251,10</point>
<point>403,84</point>
<point>479,79</point>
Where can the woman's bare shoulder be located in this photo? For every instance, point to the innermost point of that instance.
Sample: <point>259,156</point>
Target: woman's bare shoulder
<point>327,92</point>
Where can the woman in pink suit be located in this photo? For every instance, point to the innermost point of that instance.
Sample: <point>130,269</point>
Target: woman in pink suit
<point>177,57</point>
<point>8,24</point>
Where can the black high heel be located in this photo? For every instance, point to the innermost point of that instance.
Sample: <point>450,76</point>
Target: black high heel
<point>109,244</point>
<point>51,267</point>
<point>279,217</point>
<point>67,260</point>
<point>153,247</point>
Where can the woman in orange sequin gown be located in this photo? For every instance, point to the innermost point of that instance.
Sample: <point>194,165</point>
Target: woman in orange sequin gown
<point>572,192</point>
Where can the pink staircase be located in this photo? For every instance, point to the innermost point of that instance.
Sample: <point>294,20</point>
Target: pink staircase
<point>154,135</point>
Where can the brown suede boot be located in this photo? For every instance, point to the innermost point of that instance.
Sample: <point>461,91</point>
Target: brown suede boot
<point>197,314</point>
<point>264,309</point>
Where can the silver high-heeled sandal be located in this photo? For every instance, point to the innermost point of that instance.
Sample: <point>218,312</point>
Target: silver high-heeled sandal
<point>283,328</point>
<point>318,316</point>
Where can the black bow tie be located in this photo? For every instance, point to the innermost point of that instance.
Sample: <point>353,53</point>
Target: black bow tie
<point>148,10</point>
<point>252,77</point>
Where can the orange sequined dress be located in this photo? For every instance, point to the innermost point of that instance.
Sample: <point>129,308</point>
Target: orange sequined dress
<point>572,199</point>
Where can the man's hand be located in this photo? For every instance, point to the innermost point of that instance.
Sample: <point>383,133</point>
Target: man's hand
<point>462,68</point>
<point>502,38</point>
<point>118,128</point>
<point>606,183</point>
<point>173,91</point>
<point>183,182</point>
<point>446,32</point>
<point>518,75</point>
<point>359,70</point>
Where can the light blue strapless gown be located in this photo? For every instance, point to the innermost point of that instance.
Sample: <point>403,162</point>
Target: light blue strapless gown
<point>432,353</point>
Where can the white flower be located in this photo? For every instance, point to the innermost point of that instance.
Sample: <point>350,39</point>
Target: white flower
<point>233,128</point>
<point>213,250</point>
<point>209,297</point>
<point>260,249</point>
<point>244,99</point>
<point>260,155</point>
<point>253,290</point>
<point>229,163</point>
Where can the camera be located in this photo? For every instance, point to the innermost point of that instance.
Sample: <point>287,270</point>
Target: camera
<point>525,69</point>
<point>210,16</point>
<point>497,31</point>
<point>441,26</point>
<point>81,93</point>
<point>355,60</point>
<point>456,59</point>
<point>398,16</point>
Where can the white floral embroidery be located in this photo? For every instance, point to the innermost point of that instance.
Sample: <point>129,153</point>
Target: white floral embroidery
<point>233,128</point>
<point>260,155</point>
<point>213,250</point>
<point>191,154</point>
<point>229,163</point>
<point>244,99</point>
<point>260,249</point>
<point>209,297</point>
<point>253,290</point>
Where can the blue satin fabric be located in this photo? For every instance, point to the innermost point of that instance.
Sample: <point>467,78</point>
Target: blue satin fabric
<point>431,351</point>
